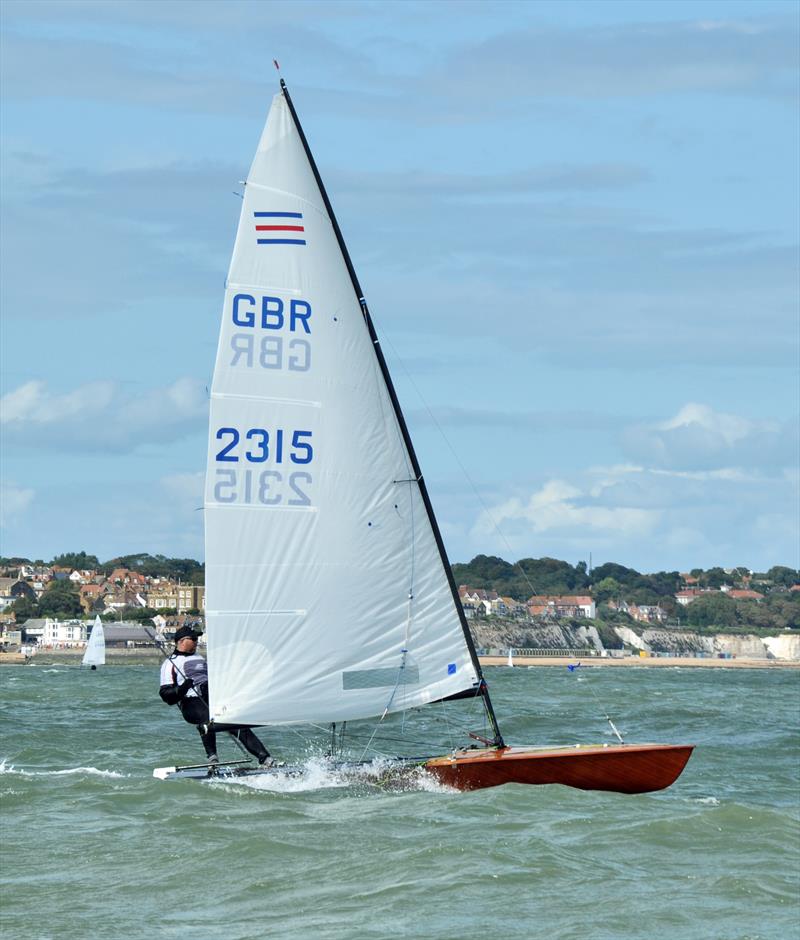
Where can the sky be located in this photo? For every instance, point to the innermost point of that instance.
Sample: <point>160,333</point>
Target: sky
<point>576,224</point>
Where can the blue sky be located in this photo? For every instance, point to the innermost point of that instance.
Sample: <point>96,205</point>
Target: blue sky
<point>576,225</point>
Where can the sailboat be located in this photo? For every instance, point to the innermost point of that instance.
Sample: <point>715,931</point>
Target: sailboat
<point>510,657</point>
<point>95,654</point>
<point>329,595</point>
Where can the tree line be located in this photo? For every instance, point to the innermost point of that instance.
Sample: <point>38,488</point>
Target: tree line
<point>186,570</point>
<point>520,580</point>
<point>61,598</point>
<point>529,576</point>
<point>779,610</point>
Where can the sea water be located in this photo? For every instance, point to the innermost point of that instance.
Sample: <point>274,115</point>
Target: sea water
<point>94,847</point>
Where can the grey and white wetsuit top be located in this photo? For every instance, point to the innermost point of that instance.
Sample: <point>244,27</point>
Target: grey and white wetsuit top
<point>179,667</point>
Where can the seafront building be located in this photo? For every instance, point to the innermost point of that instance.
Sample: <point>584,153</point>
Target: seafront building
<point>171,603</point>
<point>107,595</point>
<point>49,633</point>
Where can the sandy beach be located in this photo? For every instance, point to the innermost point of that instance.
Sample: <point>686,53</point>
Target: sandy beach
<point>648,661</point>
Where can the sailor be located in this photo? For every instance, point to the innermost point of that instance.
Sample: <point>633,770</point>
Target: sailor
<point>184,682</point>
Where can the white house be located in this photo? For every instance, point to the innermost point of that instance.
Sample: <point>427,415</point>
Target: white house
<point>63,633</point>
<point>568,605</point>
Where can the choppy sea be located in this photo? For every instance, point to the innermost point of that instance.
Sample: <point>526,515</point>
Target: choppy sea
<point>94,847</point>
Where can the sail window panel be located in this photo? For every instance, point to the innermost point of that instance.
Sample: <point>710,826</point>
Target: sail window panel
<point>379,678</point>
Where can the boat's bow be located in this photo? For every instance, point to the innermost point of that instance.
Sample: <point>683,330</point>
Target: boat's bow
<point>622,768</point>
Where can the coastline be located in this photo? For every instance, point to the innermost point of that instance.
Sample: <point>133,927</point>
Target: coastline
<point>73,657</point>
<point>152,657</point>
<point>690,662</point>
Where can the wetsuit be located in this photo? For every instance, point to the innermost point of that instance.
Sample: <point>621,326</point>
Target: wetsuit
<point>184,682</point>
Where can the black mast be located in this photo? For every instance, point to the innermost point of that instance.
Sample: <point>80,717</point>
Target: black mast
<point>483,690</point>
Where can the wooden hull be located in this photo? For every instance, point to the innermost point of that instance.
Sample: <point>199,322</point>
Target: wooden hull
<point>623,768</point>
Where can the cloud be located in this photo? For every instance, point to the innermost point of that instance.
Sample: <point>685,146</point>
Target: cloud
<point>536,179</point>
<point>562,509</point>
<point>102,416</point>
<point>465,418</point>
<point>574,283</point>
<point>648,519</point>
<point>208,17</point>
<point>31,403</point>
<point>104,70</point>
<point>14,500</point>
<point>110,517</point>
<point>185,488</point>
<point>698,438</point>
<point>700,488</point>
<point>153,55</point>
<point>729,428</point>
<point>144,234</point>
<point>626,285</point>
<point>758,56</point>
<point>161,241</point>
<point>624,281</point>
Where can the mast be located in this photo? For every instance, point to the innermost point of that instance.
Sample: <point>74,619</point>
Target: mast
<point>482,688</point>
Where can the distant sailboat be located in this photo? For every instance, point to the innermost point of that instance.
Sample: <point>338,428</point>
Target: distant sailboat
<point>329,595</point>
<point>95,654</point>
<point>510,657</point>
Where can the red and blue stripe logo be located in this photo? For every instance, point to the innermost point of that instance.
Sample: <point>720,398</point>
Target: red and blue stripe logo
<point>279,228</point>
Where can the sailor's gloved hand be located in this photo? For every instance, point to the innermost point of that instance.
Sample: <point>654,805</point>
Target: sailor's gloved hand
<point>183,688</point>
<point>172,694</point>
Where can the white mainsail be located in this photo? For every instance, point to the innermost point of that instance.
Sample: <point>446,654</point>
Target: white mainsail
<point>95,654</point>
<point>326,595</point>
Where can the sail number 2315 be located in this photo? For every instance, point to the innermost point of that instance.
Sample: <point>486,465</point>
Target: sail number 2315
<point>259,446</point>
<point>251,485</point>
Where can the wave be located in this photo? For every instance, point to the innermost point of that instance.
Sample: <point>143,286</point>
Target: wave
<point>318,774</point>
<point>7,768</point>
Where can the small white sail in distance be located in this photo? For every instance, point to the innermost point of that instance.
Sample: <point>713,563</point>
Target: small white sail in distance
<point>510,656</point>
<point>95,654</point>
<point>326,595</point>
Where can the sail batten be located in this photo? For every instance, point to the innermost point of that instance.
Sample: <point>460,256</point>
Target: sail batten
<point>266,613</point>
<point>259,398</point>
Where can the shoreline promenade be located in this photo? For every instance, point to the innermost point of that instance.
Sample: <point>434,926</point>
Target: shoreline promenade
<point>142,656</point>
<point>702,662</point>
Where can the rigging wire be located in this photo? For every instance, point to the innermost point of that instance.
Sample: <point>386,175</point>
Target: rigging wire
<point>475,490</point>
<point>602,708</point>
<point>458,460</point>
<point>375,742</point>
<point>400,423</point>
<point>400,675</point>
